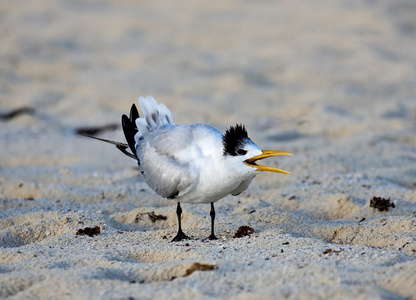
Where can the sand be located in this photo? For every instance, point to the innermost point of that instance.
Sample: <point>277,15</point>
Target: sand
<point>333,82</point>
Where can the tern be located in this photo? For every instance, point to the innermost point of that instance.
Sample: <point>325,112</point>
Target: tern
<point>190,163</point>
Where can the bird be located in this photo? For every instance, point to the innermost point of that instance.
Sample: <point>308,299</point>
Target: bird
<point>190,163</point>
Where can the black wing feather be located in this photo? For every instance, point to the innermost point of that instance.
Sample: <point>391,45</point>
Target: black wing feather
<point>134,114</point>
<point>129,128</point>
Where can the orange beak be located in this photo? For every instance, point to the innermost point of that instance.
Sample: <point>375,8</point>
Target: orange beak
<point>266,153</point>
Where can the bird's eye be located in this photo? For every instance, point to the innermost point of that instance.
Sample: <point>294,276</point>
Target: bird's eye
<point>241,151</point>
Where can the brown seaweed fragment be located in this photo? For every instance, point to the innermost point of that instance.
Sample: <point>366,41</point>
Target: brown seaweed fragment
<point>381,204</point>
<point>152,216</point>
<point>331,251</point>
<point>198,267</point>
<point>243,231</point>
<point>89,231</point>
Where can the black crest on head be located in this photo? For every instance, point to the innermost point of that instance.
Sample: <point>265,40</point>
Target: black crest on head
<point>234,139</point>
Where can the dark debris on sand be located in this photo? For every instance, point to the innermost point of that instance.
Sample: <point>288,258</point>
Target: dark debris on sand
<point>89,231</point>
<point>243,231</point>
<point>381,204</point>
<point>96,129</point>
<point>25,110</point>
<point>152,216</point>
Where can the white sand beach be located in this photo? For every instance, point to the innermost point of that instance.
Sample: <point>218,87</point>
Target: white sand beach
<point>333,82</point>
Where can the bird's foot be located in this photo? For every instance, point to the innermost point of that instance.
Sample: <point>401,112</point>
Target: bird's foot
<point>212,237</point>
<point>180,237</point>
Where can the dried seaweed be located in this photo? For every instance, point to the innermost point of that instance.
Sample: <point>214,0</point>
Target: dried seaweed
<point>243,231</point>
<point>152,216</point>
<point>381,204</point>
<point>199,267</point>
<point>331,251</point>
<point>89,231</point>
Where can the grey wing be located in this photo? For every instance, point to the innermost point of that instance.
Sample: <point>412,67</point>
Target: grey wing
<point>164,170</point>
<point>242,187</point>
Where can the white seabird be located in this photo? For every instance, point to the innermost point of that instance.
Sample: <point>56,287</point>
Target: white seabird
<point>190,163</point>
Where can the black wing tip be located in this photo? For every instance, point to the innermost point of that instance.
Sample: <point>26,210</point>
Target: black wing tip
<point>129,128</point>
<point>134,113</point>
<point>125,121</point>
<point>234,136</point>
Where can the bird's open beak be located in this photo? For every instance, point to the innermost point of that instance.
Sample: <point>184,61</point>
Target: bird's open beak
<point>266,153</point>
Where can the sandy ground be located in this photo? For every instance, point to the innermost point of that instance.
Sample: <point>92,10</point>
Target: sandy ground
<point>333,82</point>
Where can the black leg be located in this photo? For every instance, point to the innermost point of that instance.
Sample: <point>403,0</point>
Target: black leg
<point>180,236</point>
<point>212,213</point>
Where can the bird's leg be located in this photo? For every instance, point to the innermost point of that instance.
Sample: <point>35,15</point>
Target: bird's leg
<point>180,236</point>
<point>212,213</point>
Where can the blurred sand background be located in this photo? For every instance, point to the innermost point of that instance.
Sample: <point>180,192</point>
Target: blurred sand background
<point>333,82</point>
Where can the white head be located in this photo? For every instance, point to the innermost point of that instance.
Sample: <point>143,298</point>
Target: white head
<point>242,153</point>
